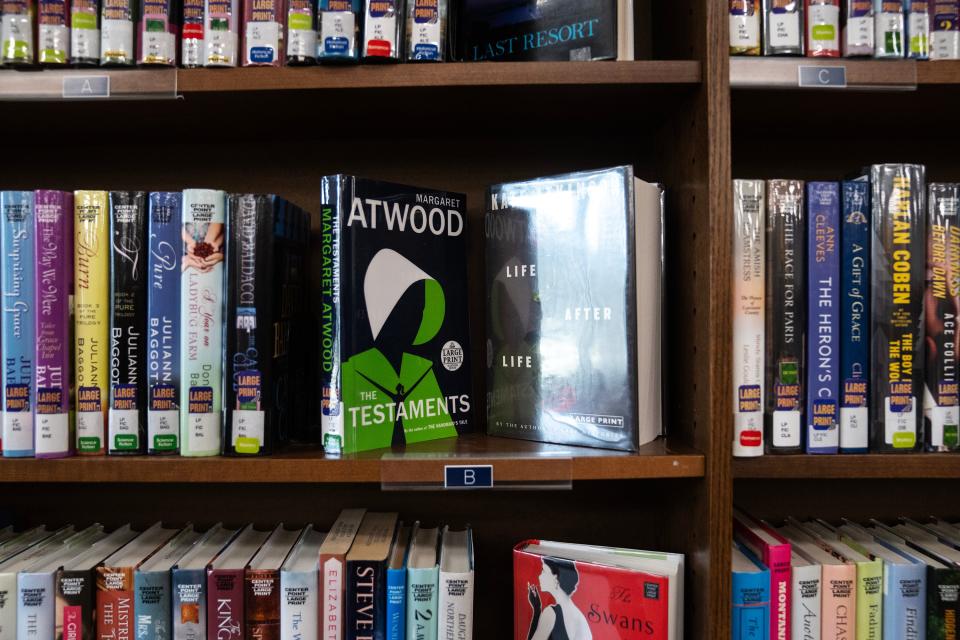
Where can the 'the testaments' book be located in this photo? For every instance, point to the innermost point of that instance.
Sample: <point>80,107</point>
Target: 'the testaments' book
<point>574,282</point>
<point>393,314</point>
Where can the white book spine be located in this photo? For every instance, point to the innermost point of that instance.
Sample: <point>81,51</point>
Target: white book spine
<point>805,613</point>
<point>299,605</point>
<point>36,617</point>
<point>456,606</point>
<point>8,606</point>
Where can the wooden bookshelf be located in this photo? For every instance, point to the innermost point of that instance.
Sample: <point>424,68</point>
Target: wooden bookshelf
<point>908,466</point>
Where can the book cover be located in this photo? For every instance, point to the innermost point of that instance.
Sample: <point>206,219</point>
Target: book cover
<point>858,29</point>
<point>456,585</point>
<point>890,28</point>
<point>117,37</point>
<point>85,32</point>
<point>839,602</point>
<point>163,322</point>
<point>128,323</point>
<point>823,314</point>
<point>854,372</point>
<point>823,28</point>
<point>299,589</point>
<point>785,316</point>
<point>393,315</point>
<point>91,275</point>
<point>426,30</point>
<point>18,321</point>
<point>748,316</point>
<point>201,321</point>
<point>226,615</point>
<point>945,30</point>
<point>531,30</point>
<point>805,595</point>
<point>423,614</point>
<point>366,582</point>
<point>918,28</point>
<point>745,27</point>
<point>192,49</point>
<point>941,413</point>
<point>262,590</point>
<point>774,551</point>
<point>904,600</point>
<point>897,351</point>
<point>301,35</point>
<point>17,30</point>
<point>783,28</point>
<point>750,594</point>
<point>188,578</point>
<point>152,588</point>
<point>546,287</point>
<point>263,32</point>
<point>53,33</point>
<point>397,589</point>
<point>382,25</point>
<point>221,33</point>
<point>53,246</point>
<point>333,579</point>
<point>159,27</point>
<point>339,30</point>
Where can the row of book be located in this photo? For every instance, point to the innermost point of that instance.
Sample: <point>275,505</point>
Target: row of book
<point>851,28</point>
<point>371,576</point>
<point>814,579</point>
<point>845,314</point>
<point>230,33</point>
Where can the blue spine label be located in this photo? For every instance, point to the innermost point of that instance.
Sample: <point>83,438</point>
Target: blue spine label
<point>823,202</point>
<point>855,317</point>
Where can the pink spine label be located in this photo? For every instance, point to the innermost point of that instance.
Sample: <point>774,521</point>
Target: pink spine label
<point>72,623</point>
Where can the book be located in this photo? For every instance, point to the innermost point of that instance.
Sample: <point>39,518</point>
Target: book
<point>91,274</point>
<point>890,29</point>
<point>201,322</point>
<point>366,584</point>
<point>22,541</point>
<point>941,413</point>
<point>805,595</point>
<point>117,37</point>
<point>382,26</point>
<point>301,35</point>
<point>785,316</point>
<point>783,28</point>
<point>918,28</point>
<point>152,587</point>
<point>53,33</point>
<point>546,287</point>
<point>192,49</point>
<point>766,544</point>
<point>397,586</point>
<point>163,322</point>
<point>115,615</point>
<point>188,579</point>
<point>823,28</point>
<point>339,30</point>
<point>226,615</point>
<point>402,375</point>
<point>897,249</point>
<point>18,320</point>
<point>158,26</point>
<point>333,577</point>
<point>858,29</point>
<point>262,593</point>
<point>548,575</point>
<point>17,31</point>
<point>426,30</point>
<point>745,27</point>
<point>749,197</point>
<point>750,590</point>
<point>823,316</point>
<point>854,374</point>
<point>455,605</point>
<point>128,323</point>
<point>221,33</point>
<point>85,32</point>
<point>263,27</point>
<point>53,246</point>
<point>945,30</point>
<point>299,593</point>
<point>423,584</point>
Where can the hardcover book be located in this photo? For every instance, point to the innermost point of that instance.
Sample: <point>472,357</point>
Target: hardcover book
<point>367,577</point>
<point>823,28</point>
<point>858,28</point>
<point>945,30</point>
<point>890,28</point>
<point>339,30</point>
<point>53,33</point>
<point>854,375</point>
<point>301,36</point>
<point>153,600</point>
<point>85,32</point>
<point>159,28</point>
<point>941,413</point>
<point>263,22</point>
<point>766,544</point>
<point>745,27</point>
<point>221,33</point>
<point>117,37</point>
<point>299,588</point>
<point>805,595</point>
<point>423,584</point>
<point>785,316</point>
<point>382,25</point>
<point>192,50</point>
<point>262,594</point>
<point>426,29</point>
<point>397,590</point>
<point>225,594</point>
<point>750,587</point>
<point>455,598</point>
<point>53,238</point>
<point>333,583</point>
<point>189,583</point>
<point>548,289</point>
<point>783,27</point>
<point>898,244</point>
<point>393,315</point>
<point>128,323</point>
<point>17,32</point>
<point>19,316</point>
<point>918,28</point>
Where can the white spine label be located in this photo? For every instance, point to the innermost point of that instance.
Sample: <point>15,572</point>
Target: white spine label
<point>220,43</point>
<point>54,37</point>
<point>116,39</point>
<point>203,432</point>
<point>900,422</point>
<point>945,45</point>
<point>90,425</point>
<point>302,42</point>
<point>53,433</point>
<point>824,26</point>
<point>890,34</point>
<point>85,43</point>
<point>159,47</point>
<point>337,29</point>
<point>784,29</point>
<point>17,35</point>
<point>262,42</point>
<point>248,425</point>
<point>745,31</point>
<point>124,422</point>
<point>380,36</point>
<point>854,427</point>
<point>786,429</point>
<point>162,423</point>
<point>860,32</point>
<point>17,430</point>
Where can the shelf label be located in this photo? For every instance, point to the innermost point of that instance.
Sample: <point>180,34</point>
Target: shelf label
<point>457,476</point>
<point>822,77</point>
<point>86,87</point>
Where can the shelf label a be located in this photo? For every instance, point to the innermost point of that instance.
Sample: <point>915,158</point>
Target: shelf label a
<point>812,76</point>
<point>86,87</point>
<point>468,476</point>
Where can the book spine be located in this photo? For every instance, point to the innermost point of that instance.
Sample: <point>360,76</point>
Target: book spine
<point>35,610</point>
<point>750,594</point>
<point>85,32</point>
<point>783,28</point>
<point>339,30</point>
<point>904,601</point>
<point>225,613</point>
<point>152,605</point>
<point>163,323</point>
<point>191,34</point>
<point>823,28</point>
<point>839,602</point>
<point>426,30</point>
<point>189,592</point>
<point>128,322</point>
<point>941,394</point>
<point>92,320</point>
<point>117,19</point>
<point>381,29</point>
<point>890,29</point>
<point>301,34</point>
<point>397,607</point>
<point>748,317</point>
<point>855,318</point>
<point>53,431</point>
<point>422,600</point>
<point>366,600</point>
<point>332,193</point>
<point>744,19</point>
<point>53,34</point>
<point>16,32</point>
<point>19,313</point>
<point>869,600</point>
<point>823,307</point>
<point>299,606</point>
<point>250,345</point>
<point>455,621</point>
<point>806,599</point>
<point>943,605</point>
<point>201,322</point>
<point>777,559</point>
<point>115,610</point>
<point>785,316</point>
<point>8,605</point>
<point>221,31</point>
<point>157,43</point>
<point>859,28</point>
<point>945,31</point>
<point>918,29</point>
<point>262,604</point>
<point>898,245</point>
<point>333,593</point>
<point>75,605</point>
<point>263,32</point>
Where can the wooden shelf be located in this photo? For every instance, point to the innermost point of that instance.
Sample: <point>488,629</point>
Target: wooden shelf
<point>783,73</point>
<point>911,465</point>
<point>515,462</point>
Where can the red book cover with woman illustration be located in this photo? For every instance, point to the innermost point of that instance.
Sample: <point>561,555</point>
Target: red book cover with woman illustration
<point>570,592</point>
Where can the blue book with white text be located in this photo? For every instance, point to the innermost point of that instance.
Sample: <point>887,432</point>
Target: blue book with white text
<point>855,318</point>
<point>750,596</point>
